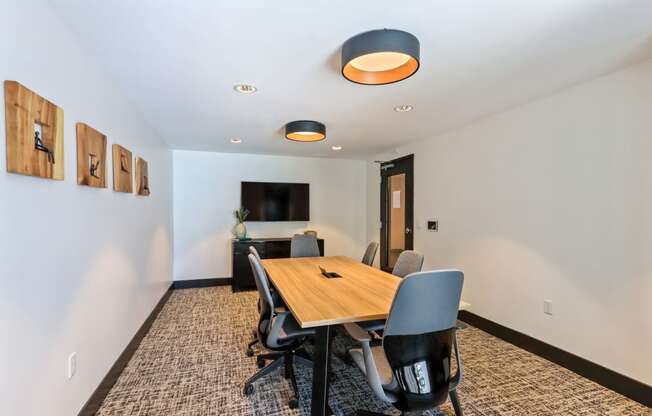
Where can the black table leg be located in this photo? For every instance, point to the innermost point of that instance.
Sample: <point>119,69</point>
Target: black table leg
<point>321,367</point>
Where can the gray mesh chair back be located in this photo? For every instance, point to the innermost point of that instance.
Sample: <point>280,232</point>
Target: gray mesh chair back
<point>419,337</point>
<point>408,262</point>
<point>266,302</point>
<point>425,302</point>
<point>370,254</point>
<point>253,251</point>
<point>304,246</point>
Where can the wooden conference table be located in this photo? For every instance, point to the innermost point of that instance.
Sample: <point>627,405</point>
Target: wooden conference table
<point>363,293</point>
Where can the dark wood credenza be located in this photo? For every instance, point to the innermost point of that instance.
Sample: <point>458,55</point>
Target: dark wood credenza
<point>268,248</point>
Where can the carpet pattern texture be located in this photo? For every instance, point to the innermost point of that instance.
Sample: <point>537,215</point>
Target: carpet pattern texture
<point>193,362</point>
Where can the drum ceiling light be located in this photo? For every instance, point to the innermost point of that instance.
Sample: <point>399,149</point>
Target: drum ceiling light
<point>305,131</point>
<point>380,57</point>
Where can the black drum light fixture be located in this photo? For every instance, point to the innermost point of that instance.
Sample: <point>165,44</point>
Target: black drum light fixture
<point>380,57</point>
<point>305,131</point>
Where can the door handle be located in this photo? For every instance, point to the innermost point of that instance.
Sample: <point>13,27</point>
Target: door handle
<point>408,230</point>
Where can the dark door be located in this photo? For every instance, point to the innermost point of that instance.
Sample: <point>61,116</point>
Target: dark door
<point>396,209</point>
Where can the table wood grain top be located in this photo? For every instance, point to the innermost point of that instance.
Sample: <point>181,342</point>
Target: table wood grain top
<point>363,293</point>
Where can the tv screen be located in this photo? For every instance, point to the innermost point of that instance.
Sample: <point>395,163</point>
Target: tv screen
<point>268,201</point>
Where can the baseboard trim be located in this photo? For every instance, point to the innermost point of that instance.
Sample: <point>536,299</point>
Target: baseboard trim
<point>93,404</point>
<point>196,283</point>
<point>610,379</point>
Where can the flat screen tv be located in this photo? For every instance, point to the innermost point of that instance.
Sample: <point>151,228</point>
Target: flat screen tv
<point>267,201</point>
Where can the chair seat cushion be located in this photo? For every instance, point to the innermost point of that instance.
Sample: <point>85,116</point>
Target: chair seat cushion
<point>290,328</point>
<point>382,365</point>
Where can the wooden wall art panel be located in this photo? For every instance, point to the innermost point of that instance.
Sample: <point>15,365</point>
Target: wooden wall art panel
<point>34,128</point>
<point>142,177</point>
<point>122,172</point>
<point>91,156</point>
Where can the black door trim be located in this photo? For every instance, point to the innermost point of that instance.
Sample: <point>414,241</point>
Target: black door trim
<point>404,164</point>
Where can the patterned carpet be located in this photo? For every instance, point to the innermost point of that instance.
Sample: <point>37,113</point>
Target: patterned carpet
<point>192,362</point>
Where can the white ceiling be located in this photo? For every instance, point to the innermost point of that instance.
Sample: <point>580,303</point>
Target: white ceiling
<point>178,60</point>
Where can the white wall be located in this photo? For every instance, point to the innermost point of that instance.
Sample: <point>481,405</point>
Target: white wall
<point>81,268</point>
<point>207,191</point>
<point>551,200</point>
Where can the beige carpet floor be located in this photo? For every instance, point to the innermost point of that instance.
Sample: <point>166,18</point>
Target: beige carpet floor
<point>192,362</point>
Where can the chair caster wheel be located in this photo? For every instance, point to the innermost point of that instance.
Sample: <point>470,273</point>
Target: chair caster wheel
<point>250,352</point>
<point>260,363</point>
<point>248,389</point>
<point>294,404</point>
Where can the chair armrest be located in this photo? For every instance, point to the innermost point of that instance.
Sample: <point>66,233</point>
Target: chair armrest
<point>371,371</point>
<point>357,333</point>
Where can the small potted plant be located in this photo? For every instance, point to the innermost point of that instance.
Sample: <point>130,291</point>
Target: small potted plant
<point>240,230</point>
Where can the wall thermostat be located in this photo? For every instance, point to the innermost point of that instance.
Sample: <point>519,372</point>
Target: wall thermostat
<point>433,225</point>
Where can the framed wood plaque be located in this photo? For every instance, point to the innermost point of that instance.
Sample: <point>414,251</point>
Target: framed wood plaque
<point>91,156</point>
<point>34,128</point>
<point>122,169</point>
<point>142,177</point>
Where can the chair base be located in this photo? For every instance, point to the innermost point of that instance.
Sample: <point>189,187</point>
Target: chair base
<point>250,351</point>
<point>286,359</point>
<point>262,358</point>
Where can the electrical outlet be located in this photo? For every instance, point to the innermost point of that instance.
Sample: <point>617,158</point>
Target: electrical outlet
<point>72,365</point>
<point>547,306</point>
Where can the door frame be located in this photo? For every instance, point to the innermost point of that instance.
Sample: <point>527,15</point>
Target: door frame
<point>404,164</point>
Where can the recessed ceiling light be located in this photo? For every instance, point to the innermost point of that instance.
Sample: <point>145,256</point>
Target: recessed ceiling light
<point>336,147</point>
<point>236,140</point>
<point>245,88</point>
<point>403,108</point>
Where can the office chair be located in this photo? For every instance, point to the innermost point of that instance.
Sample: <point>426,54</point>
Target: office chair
<point>304,246</point>
<point>278,332</point>
<point>412,368</point>
<point>278,303</point>
<point>250,351</point>
<point>408,262</point>
<point>252,250</point>
<point>370,254</point>
<point>275,296</point>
